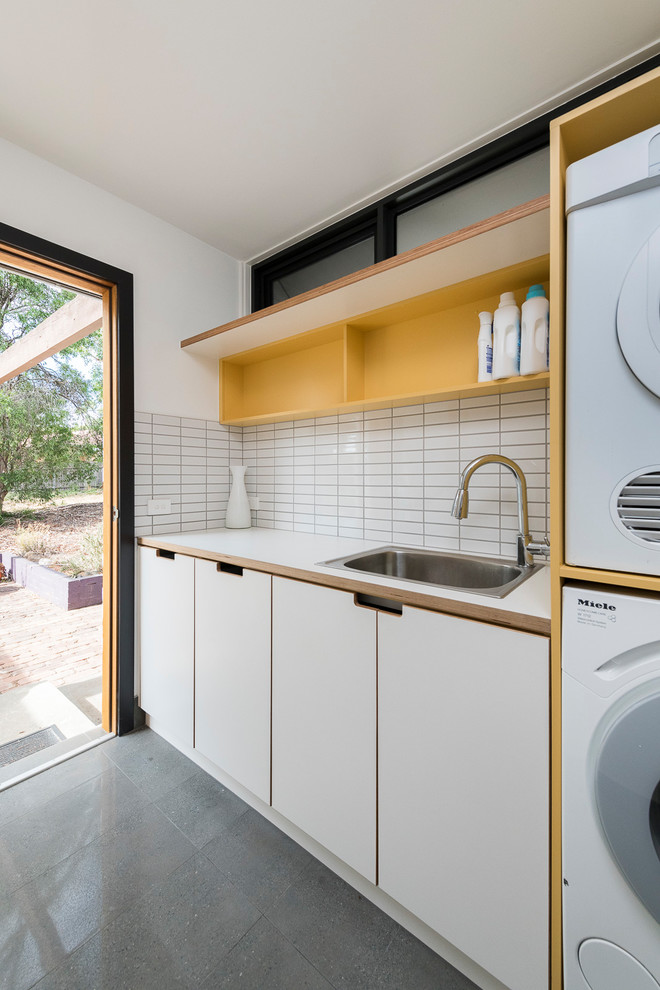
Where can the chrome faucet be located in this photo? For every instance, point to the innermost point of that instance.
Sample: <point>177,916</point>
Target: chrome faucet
<point>526,547</point>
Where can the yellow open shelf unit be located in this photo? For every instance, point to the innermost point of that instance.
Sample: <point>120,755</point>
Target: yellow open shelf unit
<point>422,349</point>
<point>398,332</point>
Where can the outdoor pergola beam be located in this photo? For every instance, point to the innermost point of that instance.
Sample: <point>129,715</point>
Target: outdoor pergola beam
<point>71,322</point>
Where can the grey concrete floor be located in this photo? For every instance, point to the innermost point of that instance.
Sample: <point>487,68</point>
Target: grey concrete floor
<point>129,868</point>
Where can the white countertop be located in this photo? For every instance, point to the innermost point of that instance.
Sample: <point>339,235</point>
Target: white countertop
<point>302,552</point>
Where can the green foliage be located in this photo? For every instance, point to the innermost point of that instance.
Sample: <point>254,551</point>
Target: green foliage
<point>51,417</point>
<point>24,304</point>
<point>37,442</point>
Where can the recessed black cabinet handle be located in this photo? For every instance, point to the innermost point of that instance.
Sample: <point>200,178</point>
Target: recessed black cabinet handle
<point>168,554</point>
<point>226,568</point>
<point>379,604</point>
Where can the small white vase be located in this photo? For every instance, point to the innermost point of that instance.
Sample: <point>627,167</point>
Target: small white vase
<point>238,507</point>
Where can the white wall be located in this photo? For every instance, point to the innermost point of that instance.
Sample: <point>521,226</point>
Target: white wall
<point>182,286</point>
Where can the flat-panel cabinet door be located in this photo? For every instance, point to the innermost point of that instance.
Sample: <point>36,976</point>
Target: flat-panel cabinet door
<point>166,624</point>
<point>324,719</point>
<point>232,673</point>
<point>463,786</point>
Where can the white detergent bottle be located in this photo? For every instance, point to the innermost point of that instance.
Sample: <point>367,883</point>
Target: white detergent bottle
<point>485,347</point>
<point>506,338</point>
<point>535,332</point>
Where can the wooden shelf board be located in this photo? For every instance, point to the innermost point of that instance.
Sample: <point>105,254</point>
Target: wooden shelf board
<point>470,390</point>
<point>592,575</point>
<point>418,350</point>
<point>508,239</point>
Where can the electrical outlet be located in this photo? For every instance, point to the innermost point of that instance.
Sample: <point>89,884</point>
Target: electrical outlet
<point>254,502</point>
<point>159,506</point>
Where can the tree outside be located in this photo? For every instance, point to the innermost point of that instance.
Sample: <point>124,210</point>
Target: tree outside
<point>51,439</point>
<point>51,416</point>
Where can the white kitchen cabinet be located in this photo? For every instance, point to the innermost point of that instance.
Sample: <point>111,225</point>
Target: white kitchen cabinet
<point>166,636</point>
<point>233,671</point>
<point>463,786</point>
<point>324,718</point>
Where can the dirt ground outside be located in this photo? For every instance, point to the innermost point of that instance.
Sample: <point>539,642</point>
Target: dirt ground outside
<point>58,529</point>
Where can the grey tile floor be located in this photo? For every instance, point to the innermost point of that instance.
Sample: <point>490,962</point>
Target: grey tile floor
<point>129,868</point>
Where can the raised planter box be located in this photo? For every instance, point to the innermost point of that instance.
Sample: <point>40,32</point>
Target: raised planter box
<point>65,592</point>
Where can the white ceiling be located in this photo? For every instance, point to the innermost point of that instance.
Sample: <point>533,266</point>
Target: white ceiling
<point>246,122</point>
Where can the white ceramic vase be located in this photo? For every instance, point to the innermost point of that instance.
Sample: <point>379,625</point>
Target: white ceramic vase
<point>238,507</point>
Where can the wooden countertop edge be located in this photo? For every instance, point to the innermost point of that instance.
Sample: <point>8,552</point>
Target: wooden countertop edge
<point>468,610</point>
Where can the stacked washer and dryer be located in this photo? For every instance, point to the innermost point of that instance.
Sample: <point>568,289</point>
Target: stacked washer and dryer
<point>611,637</point>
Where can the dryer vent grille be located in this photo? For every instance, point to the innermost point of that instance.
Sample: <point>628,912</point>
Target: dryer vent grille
<point>638,507</point>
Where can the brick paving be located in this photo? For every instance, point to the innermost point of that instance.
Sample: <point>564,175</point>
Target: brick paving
<point>41,642</point>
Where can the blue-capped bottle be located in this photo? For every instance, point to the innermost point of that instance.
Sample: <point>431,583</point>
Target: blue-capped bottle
<point>534,336</point>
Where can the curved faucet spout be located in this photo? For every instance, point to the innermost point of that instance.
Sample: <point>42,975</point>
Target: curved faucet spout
<point>460,507</point>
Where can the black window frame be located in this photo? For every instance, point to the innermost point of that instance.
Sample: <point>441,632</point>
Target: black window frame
<point>327,242</point>
<point>380,218</point>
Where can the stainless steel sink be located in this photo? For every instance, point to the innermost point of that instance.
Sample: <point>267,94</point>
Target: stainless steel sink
<point>480,575</point>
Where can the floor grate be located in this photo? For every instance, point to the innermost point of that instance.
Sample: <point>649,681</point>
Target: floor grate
<point>36,741</point>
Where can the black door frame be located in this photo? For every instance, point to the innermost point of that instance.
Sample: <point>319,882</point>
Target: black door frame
<point>19,240</point>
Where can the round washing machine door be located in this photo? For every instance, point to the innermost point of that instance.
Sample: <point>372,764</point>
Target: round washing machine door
<point>638,315</point>
<point>627,787</point>
<point>606,966</point>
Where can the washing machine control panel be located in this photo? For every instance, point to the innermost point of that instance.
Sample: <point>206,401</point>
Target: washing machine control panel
<point>606,641</point>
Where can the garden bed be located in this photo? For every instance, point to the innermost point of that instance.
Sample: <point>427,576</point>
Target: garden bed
<point>65,534</point>
<point>65,592</point>
<point>55,550</point>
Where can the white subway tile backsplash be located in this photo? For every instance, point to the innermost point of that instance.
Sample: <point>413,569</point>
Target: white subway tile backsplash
<point>484,547</point>
<point>519,437</point>
<point>407,432</point>
<point>522,408</point>
<point>438,461</point>
<point>450,530</point>
<point>158,419</point>
<point>382,535</point>
<point>384,474</point>
<point>408,410</point>
<point>478,427</point>
<point>478,401</point>
<point>327,527</point>
<point>165,430</point>
<point>480,443</point>
<point>449,442</point>
<point>441,412</point>
<point>521,423</point>
<point>529,395</point>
